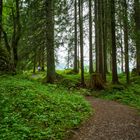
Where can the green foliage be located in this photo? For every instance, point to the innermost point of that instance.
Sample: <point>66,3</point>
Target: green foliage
<point>129,94</point>
<point>63,79</point>
<point>38,76</point>
<point>29,110</point>
<point>70,80</point>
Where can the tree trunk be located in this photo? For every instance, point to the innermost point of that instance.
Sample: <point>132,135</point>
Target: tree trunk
<point>114,62</point>
<point>125,28</point>
<point>50,41</point>
<point>42,59</point>
<point>96,34</point>
<point>34,62</point>
<point>90,39</point>
<point>100,38</point>
<point>81,41</point>
<point>75,47</point>
<point>96,81</point>
<point>1,6</point>
<point>105,37</point>
<point>137,30</point>
<point>122,54</point>
<point>16,34</point>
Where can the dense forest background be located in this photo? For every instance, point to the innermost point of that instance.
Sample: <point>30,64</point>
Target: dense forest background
<point>66,62</point>
<point>35,33</point>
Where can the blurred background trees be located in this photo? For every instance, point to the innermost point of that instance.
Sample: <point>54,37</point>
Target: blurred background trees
<point>105,36</point>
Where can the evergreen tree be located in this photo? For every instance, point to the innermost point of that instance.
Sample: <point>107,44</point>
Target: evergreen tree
<point>137,32</point>
<point>81,40</point>
<point>125,20</point>
<point>114,62</point>
<point>90,39</point>
<point>50,40</point>
<point>1,6</point>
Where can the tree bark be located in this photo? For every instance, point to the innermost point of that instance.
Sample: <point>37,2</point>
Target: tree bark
<point>42,59</point>
<point>16,34</point>
<point>99,38</point>
<point>1,6</point>
<point>105,37</point>
<point>137,31</point>
<point>90,39</point>
<point>96,34</point>
<point>81,41</point>
<point>125,20</point>
<point>75,47</point>
<point>114,62</point>
<point>50,41</point>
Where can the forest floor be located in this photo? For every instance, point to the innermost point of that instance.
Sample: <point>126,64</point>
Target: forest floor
<point>111,121</point>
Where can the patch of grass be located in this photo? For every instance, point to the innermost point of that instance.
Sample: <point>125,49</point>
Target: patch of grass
<point>127,94</point>
<point>38,76</point>
<point>64,78</point>
<point>29,110</point>
<point>70,81</point>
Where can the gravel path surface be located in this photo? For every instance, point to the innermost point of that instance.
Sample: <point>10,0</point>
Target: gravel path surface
<point>111,121</point>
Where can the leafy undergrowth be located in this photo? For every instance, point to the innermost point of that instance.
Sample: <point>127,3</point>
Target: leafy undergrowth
<point>64,78</point>
<point>29,110</point>
<point>127,94</point>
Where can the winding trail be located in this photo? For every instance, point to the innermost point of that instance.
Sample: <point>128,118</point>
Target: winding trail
<point>111,121</point>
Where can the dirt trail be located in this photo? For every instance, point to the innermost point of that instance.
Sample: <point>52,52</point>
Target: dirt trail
<point>111,121</point>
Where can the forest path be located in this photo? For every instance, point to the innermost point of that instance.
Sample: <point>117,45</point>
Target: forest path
<point>111,121</point>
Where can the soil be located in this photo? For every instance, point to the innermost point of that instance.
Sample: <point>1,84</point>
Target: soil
<point>111,121</point>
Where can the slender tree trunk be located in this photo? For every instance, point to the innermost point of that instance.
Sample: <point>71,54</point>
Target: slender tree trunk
<point>114,62</point>
<point>122,57</point>
<point>50,41</point>
<point>68,59</point>
<point>126,41</point>
<point>16,34</point>
<point>137,31</point>
<point>108,37</point>
<point>39,57</point>
<point>105,37</point>
<point>81,41</point>
<point>75,47</point>
<point>42,59</point>
<point>34,62</point>
<point>122,49</point>
<point>0,20</point>
<point>90,39</point>
<point>96,34</point>
<point>100,38</point>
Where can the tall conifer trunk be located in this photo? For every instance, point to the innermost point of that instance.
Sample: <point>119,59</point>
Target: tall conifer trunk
<point>0,20</point>
<point>114,62</point>
<point>90,39</point>
<point>76,45</point>
<point>50,41</point>
<point>81,41</point>
<point>96,34</point>
<point>125,20</point>
<point>137,32</point>
<point>16,35</point>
